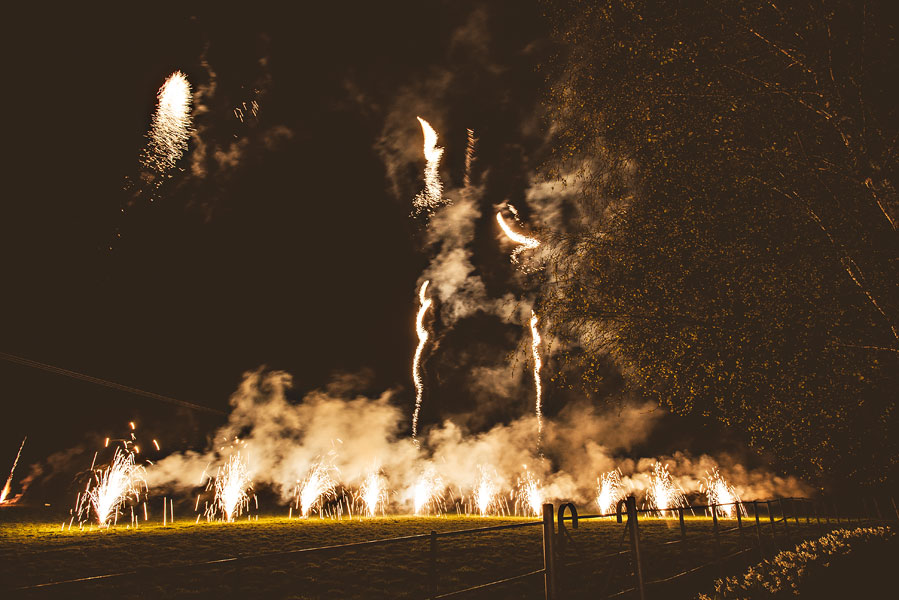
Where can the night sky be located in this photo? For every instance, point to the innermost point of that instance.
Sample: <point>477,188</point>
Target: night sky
<point>299,255</point>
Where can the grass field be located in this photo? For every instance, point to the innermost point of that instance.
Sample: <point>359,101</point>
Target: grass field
<point>161,561</point>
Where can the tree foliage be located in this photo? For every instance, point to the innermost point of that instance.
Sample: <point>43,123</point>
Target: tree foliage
<point>738,160</point>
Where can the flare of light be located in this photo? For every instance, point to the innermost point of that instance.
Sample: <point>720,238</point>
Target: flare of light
<point>608,492</point>
<point>427,493</point>
<point>535,351</point>
<point>524,242</point>
<point>664,495</point>
<point>170,127</point>
<point>373,493</point>
<point>486,493</point>
<point>722,494</point>
<point>231,487</point>
<point>4,493</point>
<point>318,486</point>
<point>111,486</point>
<point>469,159</point>
<point>432,196</point>
<point>528,495</point>
<point>424,305</point>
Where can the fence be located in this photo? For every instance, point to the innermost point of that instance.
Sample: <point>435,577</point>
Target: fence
<point>763,528</point>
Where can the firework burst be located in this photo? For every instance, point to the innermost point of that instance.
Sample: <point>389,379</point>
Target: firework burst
<point>424,305</point>
<point>720,493</point>
<point>427,493</point>
<point>431,197</point>
<point>4,493</point>
<point>608,492</point>
<point>231,490</point>
<point>318,487</point>
<point>170,128</point>
<point>111,487</point>
<point>528,495</point>
<point>664,495</point>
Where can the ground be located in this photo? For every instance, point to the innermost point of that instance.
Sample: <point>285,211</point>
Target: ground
<point>163,561</point>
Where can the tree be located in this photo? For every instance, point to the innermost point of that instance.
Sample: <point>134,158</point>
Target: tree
<point>738,159</point>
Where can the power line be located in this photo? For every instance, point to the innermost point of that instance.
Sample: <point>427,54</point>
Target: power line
<point>110,384</point>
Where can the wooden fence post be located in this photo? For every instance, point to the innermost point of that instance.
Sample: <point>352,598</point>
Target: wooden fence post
<point>758,529</point>
<point>771,519</point>
<point>795,510</point>
<point>680,517</point>
<point>549,559</point>
<point>877,508</point>
<point>895,510</point>
<point>739,508</point>
<point>432,563</point>
<point>836,513</point>
<point>808,512</point>
<point>635,544</point>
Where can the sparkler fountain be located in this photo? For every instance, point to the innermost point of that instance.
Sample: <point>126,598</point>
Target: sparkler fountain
<point>111,487</point>
<point>718,492</point>
<point>373,493</point>
<point>664,495</point>
<point>4,493</point>
<point>231,488</point>
<point>427,493</point>
<point>528,495</point>
<point>318,486</point>
<point>609,492</point>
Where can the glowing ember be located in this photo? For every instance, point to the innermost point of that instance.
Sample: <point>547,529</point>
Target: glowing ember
<point>432,196</point>
<point>427,493</point>
<point>231,487</point>
<point>524,242</point>
<point>4,493</point>
<point>609,492</point>
<point>528,495</point>
<point>425,304</point>
<point>373,493</point>
<point>318,486</point>
<point>170,128</point>
<point>663,494</point>
<point>110,487</point>
<point>719,492</point>
<point>486,493</point>
<point>535,351</point>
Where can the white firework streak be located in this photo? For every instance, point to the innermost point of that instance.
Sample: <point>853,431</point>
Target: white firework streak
<point>425,304</point>
<point>535,351</point>
<point>4,493</point>
<point>432,196</point>
<point>469,158</point>
<point>524,242</point>
<point>170,128</point>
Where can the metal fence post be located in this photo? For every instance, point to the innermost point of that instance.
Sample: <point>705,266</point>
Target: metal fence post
<point>635,543</point>
<point>549,559</point>
<point>432,563</point>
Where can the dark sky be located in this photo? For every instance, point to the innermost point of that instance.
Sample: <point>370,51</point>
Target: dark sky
<point>300,256</point>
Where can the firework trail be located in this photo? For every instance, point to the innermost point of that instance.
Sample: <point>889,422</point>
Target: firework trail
<point>4,493</point>
<point>111,487</point>
<point>316,488</point>
<point>469,158</point>
<point>664,495</point>
<point>535,351</point>
<point>431,197</point>
<point>609,492</point>
<point>231,488</point>
<point>170,128</point>
<point>524,242</point>
<point>424,305</point>
<point>719,492</point>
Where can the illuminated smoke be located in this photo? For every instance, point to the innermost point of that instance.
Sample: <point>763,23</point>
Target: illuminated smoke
<point>318,487</point>
<point>232,486</point>
<point>425,303</point>
<point>664,495</point>
<point>609,492</point>
<point>170,128</point>
<point>528,495</point>
<point>110,487</point>
<point>427,493</point>
<point>431,197</point>
<point>4,493</point>
<point>373,493</point>
<point>524,242</point>
<point>535,351</point>
<point>717,491</point>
